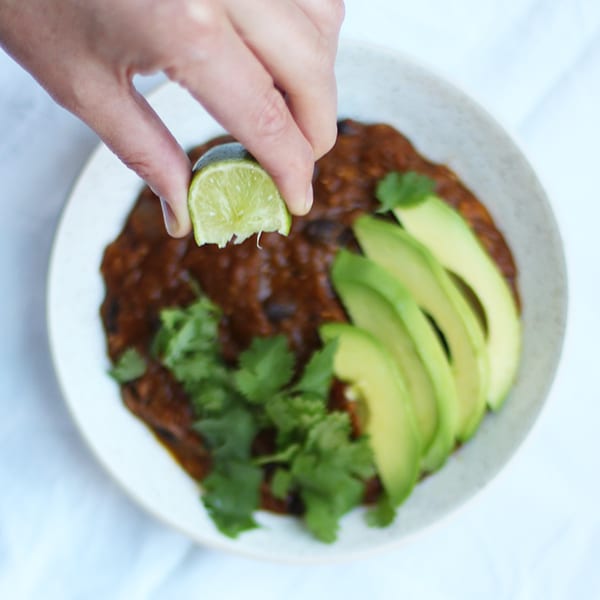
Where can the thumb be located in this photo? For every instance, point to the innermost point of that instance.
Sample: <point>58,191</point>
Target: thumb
<point>134,132</point>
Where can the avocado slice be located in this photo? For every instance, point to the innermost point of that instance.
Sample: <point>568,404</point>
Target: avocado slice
<point>367,366</point>
<point>435,292</point>
<point>450,239</point>
<point>377,302</point>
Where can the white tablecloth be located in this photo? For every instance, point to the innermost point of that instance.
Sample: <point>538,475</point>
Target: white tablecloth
<point>66,531</point>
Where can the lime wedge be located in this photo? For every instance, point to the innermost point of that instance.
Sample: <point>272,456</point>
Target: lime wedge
<point>232,197</point>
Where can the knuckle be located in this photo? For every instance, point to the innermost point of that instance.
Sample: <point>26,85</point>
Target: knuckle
<point>273,116</point>
<point>194,30</point>
<point>205,20</point>
<point>139,162</point>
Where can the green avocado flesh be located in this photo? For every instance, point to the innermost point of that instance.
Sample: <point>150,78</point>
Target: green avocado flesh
<point>450,239</point>
<point>364,363</point>
<point>378,303</point>
<point>433,290</point>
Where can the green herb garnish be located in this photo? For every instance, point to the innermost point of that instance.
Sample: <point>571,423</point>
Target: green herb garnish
<point>329,472</point>
<point>315,456</point>
<point>265,368</point>
<point>187,344</point>
<point>318,373</point>
<point>231,495</point>
<point>130,365</point>
<point>403,189</point>
<point>383,513</point>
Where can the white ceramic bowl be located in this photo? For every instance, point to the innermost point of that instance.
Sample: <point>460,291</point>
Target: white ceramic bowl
<point>446,126</point>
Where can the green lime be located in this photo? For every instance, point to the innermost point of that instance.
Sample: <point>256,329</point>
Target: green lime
<point>232,196</point>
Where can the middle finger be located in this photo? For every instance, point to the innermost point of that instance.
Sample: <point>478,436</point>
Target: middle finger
<point>300,59</point>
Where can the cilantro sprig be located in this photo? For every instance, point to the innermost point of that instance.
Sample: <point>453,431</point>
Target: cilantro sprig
<point>315,458</point>
<point>187,345</point>
<point>403,189</point>
<point>130,366</point>
<point>328,470</point>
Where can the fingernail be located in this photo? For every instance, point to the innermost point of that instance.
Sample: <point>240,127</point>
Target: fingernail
<point>308,202</point>
<point>171,224</point>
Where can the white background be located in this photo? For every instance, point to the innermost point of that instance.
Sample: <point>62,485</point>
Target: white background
<point>66,531</point>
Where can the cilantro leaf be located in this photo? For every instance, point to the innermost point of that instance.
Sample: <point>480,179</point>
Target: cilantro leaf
<point>282,456</point>
<point>281,483</point>
<point>187,344</point>
<point>231,495</point>
<point>358,457</point>
<point>331,433</point>
<point>230,435</point>
<point>196,368</point>
<point>291,414</point>
<point>403,189</point>
<point>327,491</point>
<point>265,367</point>
<point>320,517</point>
<point>318,373</point>
<point>382,514</point>
<point>130,365</point>
<point>331,436</point>
<point>186,332</point>
<point>210,397</point>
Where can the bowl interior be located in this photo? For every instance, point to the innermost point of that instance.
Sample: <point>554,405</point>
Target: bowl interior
<point>446,126</point>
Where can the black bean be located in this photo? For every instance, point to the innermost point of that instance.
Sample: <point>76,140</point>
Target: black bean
<point>323,230</point>
<point>112,313</point>
<point>346,239</point>
<point>346,127</point>
<point>278,310</point>
<point>165,434</point>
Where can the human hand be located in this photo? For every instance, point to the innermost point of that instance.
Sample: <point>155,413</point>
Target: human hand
<point>262,68</point>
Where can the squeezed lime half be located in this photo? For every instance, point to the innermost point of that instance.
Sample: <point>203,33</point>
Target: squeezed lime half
<point>232,197</point>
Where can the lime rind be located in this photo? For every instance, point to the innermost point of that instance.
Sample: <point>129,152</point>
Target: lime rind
<point>233,200</point>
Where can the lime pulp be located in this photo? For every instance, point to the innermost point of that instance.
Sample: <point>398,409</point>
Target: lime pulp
<point>231,197</point>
